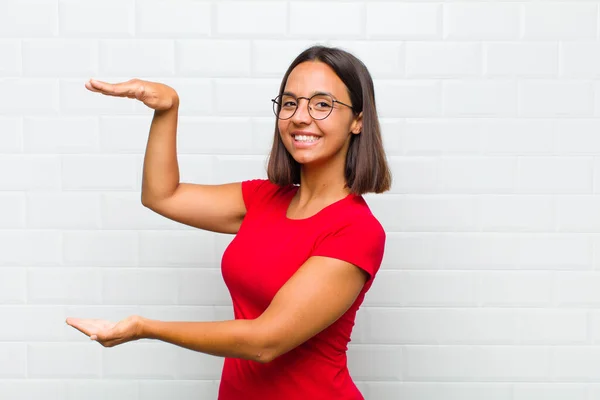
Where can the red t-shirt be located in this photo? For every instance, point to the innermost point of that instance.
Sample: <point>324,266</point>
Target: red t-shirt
<point>268,249</point>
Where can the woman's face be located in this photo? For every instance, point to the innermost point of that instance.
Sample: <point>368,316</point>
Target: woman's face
<point>311,141</point>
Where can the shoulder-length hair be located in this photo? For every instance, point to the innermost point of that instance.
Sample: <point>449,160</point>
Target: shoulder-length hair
<point>366,169</point>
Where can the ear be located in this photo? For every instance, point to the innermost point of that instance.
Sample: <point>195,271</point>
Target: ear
<point>356,126</point>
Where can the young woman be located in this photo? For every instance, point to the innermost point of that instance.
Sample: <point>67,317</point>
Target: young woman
<point>307,247</point>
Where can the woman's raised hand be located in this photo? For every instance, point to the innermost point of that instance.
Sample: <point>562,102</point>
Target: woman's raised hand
<point>155,95</point>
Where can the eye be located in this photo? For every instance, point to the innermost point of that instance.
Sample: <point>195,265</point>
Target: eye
<point>288,103</point>
<point>323,104</point>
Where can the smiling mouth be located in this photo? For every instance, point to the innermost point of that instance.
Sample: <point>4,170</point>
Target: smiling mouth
<point>305,138</point>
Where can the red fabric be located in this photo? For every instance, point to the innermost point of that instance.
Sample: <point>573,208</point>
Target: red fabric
<point>268,249</point>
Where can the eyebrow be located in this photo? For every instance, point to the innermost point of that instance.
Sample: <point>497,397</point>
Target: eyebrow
<point>312,94</point>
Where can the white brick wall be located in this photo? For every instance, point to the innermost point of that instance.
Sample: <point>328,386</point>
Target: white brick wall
<point>490,114</point>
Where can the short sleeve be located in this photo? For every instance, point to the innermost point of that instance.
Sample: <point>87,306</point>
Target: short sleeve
<point>251,191</point>
<point>361,243</point>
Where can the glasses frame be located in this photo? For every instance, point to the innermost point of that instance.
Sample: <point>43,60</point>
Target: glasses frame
<point>277,101</point>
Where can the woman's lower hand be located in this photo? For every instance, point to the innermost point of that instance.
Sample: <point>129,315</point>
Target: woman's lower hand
<point>155,95</point>
<point>108,333</point>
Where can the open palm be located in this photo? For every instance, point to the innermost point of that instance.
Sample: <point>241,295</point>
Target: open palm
<point>108,333</point>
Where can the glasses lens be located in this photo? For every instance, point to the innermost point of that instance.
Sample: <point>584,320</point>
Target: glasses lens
<point>284,106</point>
<point>320,106</point>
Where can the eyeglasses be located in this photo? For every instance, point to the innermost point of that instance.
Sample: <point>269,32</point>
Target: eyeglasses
<point>320,105</point>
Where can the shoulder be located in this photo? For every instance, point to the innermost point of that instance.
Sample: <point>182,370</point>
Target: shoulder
<point>355,214</point>
<point>256,191</point>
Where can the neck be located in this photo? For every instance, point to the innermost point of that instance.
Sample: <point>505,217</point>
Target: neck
<point>322,182</point>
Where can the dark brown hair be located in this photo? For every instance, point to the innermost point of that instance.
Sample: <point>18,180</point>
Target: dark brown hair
<point>366,168</point>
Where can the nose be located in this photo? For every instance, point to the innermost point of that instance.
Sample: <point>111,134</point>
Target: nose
<point>302,116</point>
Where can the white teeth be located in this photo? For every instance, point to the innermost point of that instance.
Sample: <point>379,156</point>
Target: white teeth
<point>304,138</point>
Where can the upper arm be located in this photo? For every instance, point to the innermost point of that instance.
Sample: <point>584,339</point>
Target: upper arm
<point>319,293</point>
<point>217,208</point>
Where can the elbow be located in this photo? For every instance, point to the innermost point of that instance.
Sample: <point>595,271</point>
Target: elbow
<point>267,346</point>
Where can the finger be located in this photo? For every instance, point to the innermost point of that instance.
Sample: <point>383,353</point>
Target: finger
<point>124,89</point>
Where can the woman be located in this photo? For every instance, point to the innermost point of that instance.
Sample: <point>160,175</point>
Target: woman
<point>307,247</point>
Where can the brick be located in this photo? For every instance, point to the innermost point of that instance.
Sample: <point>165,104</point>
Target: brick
<point>556,99</point>
<point>478,363</point>
<point>575,362</point>
<point>443,59</point>
<point>477,174</point>
<point>111,18</point>
<point>481,21</point>
<point>383,59</point>
<point>29,96</point>
<point>26,320</point>
<point>553,175</point>
<point>553,327</point>
<point>194,365</point>
<point>554,390</point>
<point>214,135</point>
<point>140,286</point>
<point>427,213</point>
<point>521,59</point>
<point>140,57</point>
<point>480,98</point>
<point>25,389</point>
<point>12,210</point>
<point>410,251</point>
<point>314,19</point>
<point>81,172</point>
<point>435,137</point>
<point>17,354</point>
<point>422,289</point>
<point>474,251</point>
<point>247,98</point>
<point>77,360</point>
<point>408,98</point>
<point>560,21</point>
<point>60,57</point>
<point>376,362</point>
<point>577,136</point>
<point>12,135</point>
<point>452,326</point>
<point>403,21</point>
<point>69,211</point>
<point>140,360</point>
<point>213,58</point>
<point>125,211</point>
<point>102,389</point>
<point>100,248</point>
<point>271,58</point>
<point>414,174</point>
<point>10,64</point>
<point>13,286</point>
<point>262,135</point>
<point>392,131</point>
<point>29,247</point>
<point>63,286</point>
<point>578,213</point>
<point>574,288</point>
<point>439,390</point>
<point>186,390</point>
<point>29,172</point>
<point>60,135</point>
<point>513,136</point>
<point>162,18</point>
<point>256,18</point>
<point>203,286</point>
<point>17,20</point>
<point>171,248</point>
<point>239,168</point>
<point>517,213</point>
<point>515,289</point>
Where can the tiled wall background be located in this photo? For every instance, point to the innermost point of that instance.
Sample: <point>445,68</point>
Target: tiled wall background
<point>490,286</point>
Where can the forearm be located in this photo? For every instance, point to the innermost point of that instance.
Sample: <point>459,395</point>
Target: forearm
<point>161,170</point>
<point>234,338</point>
